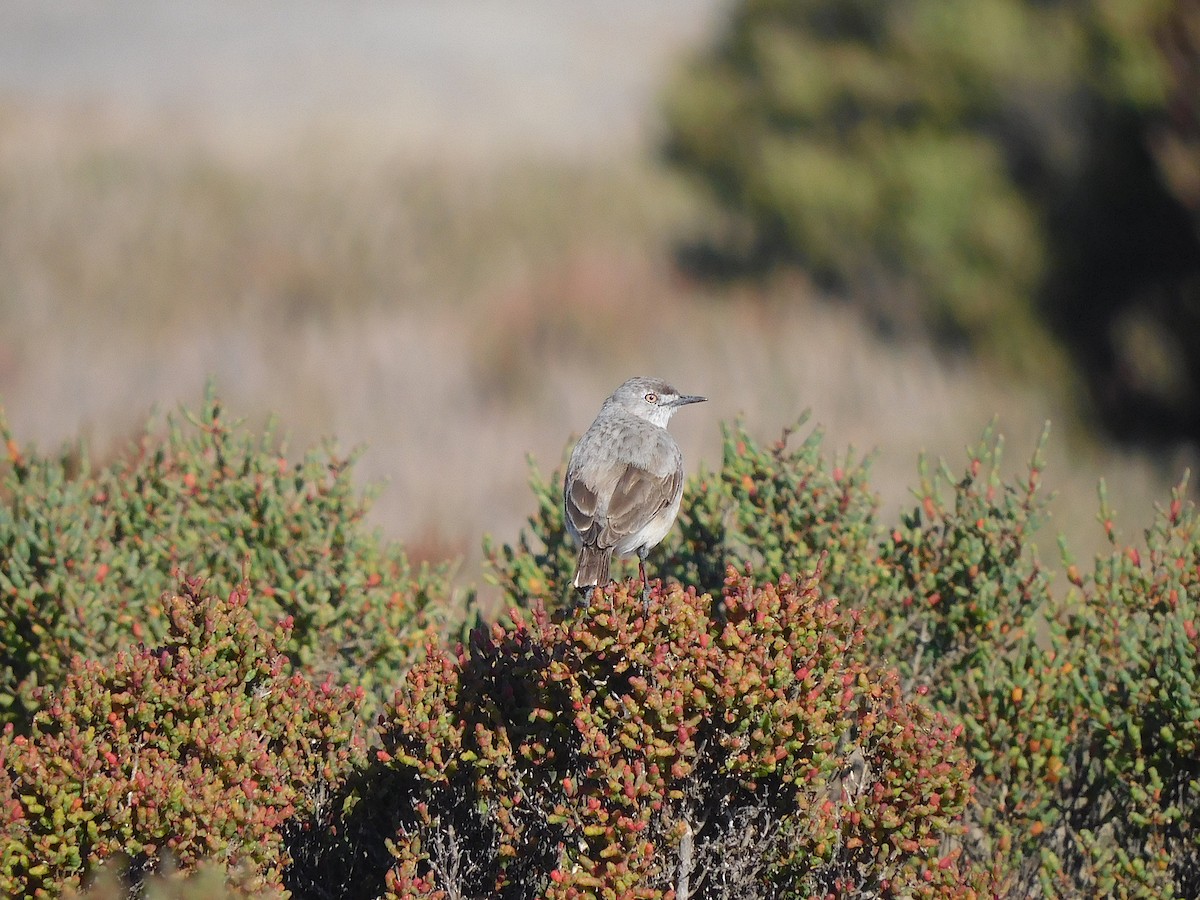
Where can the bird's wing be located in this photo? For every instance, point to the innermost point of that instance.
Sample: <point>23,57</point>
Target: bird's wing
<point>582,505</point>
<point>639,496</point>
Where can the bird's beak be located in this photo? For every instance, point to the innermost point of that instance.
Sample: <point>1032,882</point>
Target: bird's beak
<point>688,398</point>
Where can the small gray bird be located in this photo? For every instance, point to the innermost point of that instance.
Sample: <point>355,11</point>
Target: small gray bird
<point>624,480</point>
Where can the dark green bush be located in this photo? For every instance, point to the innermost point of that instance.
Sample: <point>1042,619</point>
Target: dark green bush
<point>208,747</point>
<point>1015,176</point>
<point>85,555</point>
<point>628,752</point>
<point>867,141</point>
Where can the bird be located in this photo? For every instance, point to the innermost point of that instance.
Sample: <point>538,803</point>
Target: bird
<point>624,480</point>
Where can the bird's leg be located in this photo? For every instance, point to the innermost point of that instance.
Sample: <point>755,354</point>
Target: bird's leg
<point>584,598</point>
<point>645,586</point>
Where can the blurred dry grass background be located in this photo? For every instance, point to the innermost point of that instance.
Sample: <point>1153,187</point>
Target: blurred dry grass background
<point>452,311</point>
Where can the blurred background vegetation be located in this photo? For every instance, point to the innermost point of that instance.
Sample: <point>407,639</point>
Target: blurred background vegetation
<point>1021,180</point>
<point>447,231</point>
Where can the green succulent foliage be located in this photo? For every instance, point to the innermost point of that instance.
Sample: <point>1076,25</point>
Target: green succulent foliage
<point>965,612</point>
<point>86,553</point>
<point>1137,681</point>
<point>208,746</point>
<point>962,574</point>
<point>779,509</point>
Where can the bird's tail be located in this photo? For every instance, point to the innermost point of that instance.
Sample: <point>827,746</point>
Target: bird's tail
<point>592,568</point>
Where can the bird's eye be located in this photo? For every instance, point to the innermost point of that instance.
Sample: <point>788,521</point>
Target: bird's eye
<point>652,397</point>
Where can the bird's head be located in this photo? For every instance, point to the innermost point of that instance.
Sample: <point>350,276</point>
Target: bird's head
<point>651,399</point>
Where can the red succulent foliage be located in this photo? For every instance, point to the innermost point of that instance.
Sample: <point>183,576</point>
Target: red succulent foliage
<point>689,747</point>
<point>207,747</point>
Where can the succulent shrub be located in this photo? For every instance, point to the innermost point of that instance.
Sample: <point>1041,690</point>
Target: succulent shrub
<point>961,573</point>
<point>668,750</point>
<point>1132,822</point>
<point>965,612</point>
<point>1075,709</point>
<point>209,746</point>
<point>86,553</point>
<point>1080,712</point>
<point>811,702</point>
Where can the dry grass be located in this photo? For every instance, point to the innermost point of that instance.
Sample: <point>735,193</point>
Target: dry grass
<point>451,317</point>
